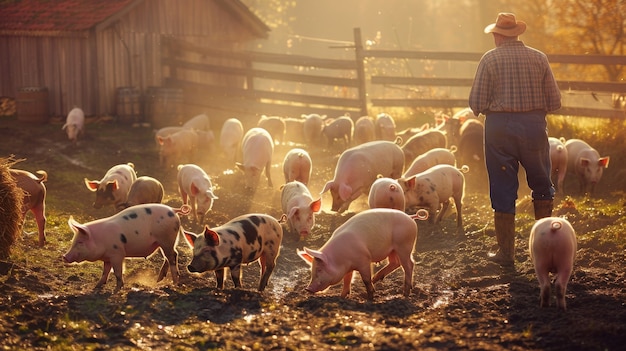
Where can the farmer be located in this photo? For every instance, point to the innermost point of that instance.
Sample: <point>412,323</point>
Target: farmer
<point>514,88</point>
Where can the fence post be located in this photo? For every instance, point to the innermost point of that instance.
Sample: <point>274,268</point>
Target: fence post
<point>360,70</point>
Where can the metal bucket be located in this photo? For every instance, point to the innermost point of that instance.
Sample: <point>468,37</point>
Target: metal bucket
<point>31,104</point>
<point>164,106</point>
<point>128,105</point>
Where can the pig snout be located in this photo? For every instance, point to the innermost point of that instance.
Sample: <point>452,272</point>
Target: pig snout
<point>192,269</point>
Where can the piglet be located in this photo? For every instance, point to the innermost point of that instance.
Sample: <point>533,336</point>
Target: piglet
<point>585,162</point>
<point>194,185</point>
<point>113,188</point>
<point>274,125</point>
<point>385,127</point>
<point>364,130</point>
<point>74,124</point>
<point>558,158</point>
<point>179,146</point>
<point>367,237</point>
<point>297,166</point>
<point>198,122</point>
<point>433,189</point>
<point>339,128</point>
<point>134,232</point>
<point>422,142</point>
<point>145,190</point>
<point>242,240</point>
<point>299,207</point>
<point>386,193</point>
<point>436,156</point>
<point>552,247</point>
<point>258,148</point>
<point>34,197</point>
<point>230,138</point>
<point>312,128</point>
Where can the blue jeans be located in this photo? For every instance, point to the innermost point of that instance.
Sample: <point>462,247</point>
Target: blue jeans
<point>512,139</point>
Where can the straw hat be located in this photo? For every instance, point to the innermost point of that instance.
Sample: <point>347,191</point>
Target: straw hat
<point>506,25</point>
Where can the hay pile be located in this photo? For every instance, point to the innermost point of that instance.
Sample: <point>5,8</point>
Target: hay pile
<point>11,198</point>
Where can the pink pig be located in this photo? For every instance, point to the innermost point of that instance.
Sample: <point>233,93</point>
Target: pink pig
<point>145,190</point>
<point>586,163</point>
<point>179,146</point>
<point>34,197</point>
<point>385,127</point>
<point>258,149</point>
<point>299,207</point>
<point>358,168</point>
<point>436,156</point>
<point>194,183</point>
<point>230,138</point>
<point>114,187</point>
<point>552,247</point>
<point>74,124</point>
<point>367,237</point>
<point>312,128</point>
<point>422,142</point>
<point>433,189</point>
<point>386,193</point>
<point>135,232</point>
<point>558,156</point>
<point>297,166</point>
<point>364,130</point>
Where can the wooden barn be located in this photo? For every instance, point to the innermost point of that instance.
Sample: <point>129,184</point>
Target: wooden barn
<point>105,55</point>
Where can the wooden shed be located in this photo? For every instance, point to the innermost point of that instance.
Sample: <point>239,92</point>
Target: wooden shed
<point>85,52</point>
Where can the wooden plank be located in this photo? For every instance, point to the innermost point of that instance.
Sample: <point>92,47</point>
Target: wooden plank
<point>261,74</point>
<point>394,80</point>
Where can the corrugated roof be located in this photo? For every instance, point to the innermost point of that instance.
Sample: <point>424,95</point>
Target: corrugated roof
<point>56,15</point>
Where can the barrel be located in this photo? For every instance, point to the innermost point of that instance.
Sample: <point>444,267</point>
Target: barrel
<point>128,105</point>
<point>31,104</point>
<point>164,106</point>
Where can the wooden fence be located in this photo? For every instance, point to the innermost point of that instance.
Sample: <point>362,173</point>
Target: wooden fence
<point>290,85</point>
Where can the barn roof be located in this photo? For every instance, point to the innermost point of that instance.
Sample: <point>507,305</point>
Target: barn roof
<point>57,17</point>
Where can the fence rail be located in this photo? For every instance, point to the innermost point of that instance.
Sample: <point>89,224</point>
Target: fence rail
<point>282,84</point>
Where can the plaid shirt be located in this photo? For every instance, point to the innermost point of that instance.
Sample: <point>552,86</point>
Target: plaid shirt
<point>514,78</point>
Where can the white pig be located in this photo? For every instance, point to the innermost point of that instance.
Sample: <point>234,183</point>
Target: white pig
<point>145,190</point>
<point>195,187</point>
<point>243,240</point>
<point>297,166</point>
<point>385,127</point>
<point>359,166</point>
<point>34,197</point>
<point>339,128</point>
<point>423,142</point>
<point>165,131</point>
<point>230,138</point>
<point>369,236</point>
<point>299,207</point>
<point>74,124</point>
<point>552,247</point>
<point>113,188</point>
<point>258,149</point>
<point>364,130</point>
<point>134,232</point>
<point>558,157</point>
<point>199,122</point>
<point>178,147</point>
<point>386,193</point>
<point>585,162</point>
<point>312,128</point>
<point>274,125</point>
<point>436,156</point>
<point>433,189</point>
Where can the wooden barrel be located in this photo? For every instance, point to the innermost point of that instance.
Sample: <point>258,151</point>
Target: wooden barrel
<point>31,104</point>
<point>164,106</point>
<point>128,105</point>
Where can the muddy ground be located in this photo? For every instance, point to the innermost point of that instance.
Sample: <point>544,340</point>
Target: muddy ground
<point>460,299</point>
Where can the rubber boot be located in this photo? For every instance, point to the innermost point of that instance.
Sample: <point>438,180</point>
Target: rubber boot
<point>543,208</point>
<point>505,236</point>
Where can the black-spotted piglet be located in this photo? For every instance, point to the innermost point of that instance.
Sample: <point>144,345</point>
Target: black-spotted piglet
<point>242,240</point>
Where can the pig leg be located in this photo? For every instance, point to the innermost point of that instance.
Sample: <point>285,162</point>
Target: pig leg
<point>392,265</point>
<point>459,218</point>
<point>235,274</point>
<point>118,270</point>
<point>171,260</point>
<point>219,276</point>
<point>366,276</point>
<point>105,275</point>
<point>442,212</point>
<point>544,286</point>
<point>347,281</point>
<point>561,286</point>
<point>40,217</point>
<point>268,174</point>
<point>267,267</point>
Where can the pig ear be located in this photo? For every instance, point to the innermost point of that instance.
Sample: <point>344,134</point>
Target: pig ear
<point>92,184</point>
<point>191,237</point>
<point>211,237</point>
<point>409,183</point>
<point>113,184</point>
<point>315,254</point>
<point>584,162</point>
<point>77,227</point>
<point>604,162</point>
<point>345,191</point>
<point>316,205</point>
<point>240,166</point>
<point>292,212</point>
<point>305,256</point>
<point>327,187</point>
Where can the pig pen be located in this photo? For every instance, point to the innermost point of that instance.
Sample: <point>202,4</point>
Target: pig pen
<point>460,300</point>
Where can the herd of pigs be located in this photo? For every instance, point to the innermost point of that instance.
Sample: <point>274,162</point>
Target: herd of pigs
<point>401,171</point>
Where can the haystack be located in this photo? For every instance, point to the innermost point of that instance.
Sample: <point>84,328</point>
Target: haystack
<point>11,198</point>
